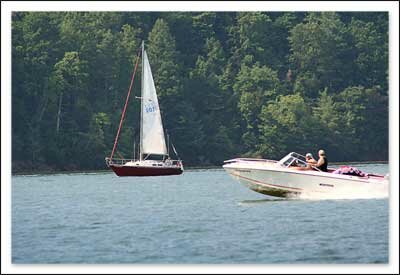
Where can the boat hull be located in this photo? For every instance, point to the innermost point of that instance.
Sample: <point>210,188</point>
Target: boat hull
<point>143,171</point>
<point>282,182</point>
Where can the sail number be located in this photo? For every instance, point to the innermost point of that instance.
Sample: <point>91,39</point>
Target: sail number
<point>150,107</point>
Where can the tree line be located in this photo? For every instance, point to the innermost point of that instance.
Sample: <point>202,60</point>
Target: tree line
<point>230,84</point>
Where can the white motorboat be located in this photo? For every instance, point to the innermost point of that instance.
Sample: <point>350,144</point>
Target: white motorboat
<point>292,176</point>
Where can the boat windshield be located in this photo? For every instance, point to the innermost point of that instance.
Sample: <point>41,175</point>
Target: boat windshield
<point>293,159</point>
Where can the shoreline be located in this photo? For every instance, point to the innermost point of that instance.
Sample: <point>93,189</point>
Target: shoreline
<point>191,168</point>
<point>103,171</point>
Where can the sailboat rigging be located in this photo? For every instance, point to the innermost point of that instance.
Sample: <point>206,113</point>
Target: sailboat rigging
<point>152,138</point>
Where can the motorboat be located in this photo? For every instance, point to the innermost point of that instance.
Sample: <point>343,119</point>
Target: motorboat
<point>292,176</point>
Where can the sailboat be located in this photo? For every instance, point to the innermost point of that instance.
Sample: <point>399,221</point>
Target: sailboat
<point>152,138</point>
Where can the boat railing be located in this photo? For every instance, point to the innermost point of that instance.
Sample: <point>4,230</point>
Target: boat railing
<point>119,161</point>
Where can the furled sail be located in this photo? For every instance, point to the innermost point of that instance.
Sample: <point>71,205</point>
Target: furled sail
<point>153,140</point>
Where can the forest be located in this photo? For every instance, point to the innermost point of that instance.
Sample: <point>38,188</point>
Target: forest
<point>230,84</point>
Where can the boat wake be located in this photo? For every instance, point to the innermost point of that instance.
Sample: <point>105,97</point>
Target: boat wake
<point>244,202</point>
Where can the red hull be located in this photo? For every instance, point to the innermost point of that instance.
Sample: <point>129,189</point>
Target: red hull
<point>142,171</point>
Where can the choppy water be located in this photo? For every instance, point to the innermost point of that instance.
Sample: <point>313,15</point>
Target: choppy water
<point>198,217</point>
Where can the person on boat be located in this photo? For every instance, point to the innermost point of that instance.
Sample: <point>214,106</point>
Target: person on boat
<point>322,163</point>
<point>168,161</point>
<point>310,159</point>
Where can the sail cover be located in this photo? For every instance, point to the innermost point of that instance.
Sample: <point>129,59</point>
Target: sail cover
<point>153,140</point>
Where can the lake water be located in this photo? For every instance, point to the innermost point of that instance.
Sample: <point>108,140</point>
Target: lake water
<point>201,216</point>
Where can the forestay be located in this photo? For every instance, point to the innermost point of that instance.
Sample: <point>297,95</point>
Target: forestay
<point>153,140</point>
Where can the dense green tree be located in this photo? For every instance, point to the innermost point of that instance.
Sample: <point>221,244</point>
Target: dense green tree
<point>67,83</point>
<point>212,101</point>
<point>252,28</point>
<point>35,46</point>
<point>181,28</point>
<point>286,125</point>
<point>328,127</point>
<point>229,83</point>
<point>179,116</point>
<point>255,85</point>
<point>321,55</point>
<point>95,144</point>
<point>372,55</point>
<point>364,120</point>
<point>163,57</point>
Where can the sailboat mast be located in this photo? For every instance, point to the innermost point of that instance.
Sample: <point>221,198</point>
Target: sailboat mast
<point>141,107</point>
<point>168,144</point>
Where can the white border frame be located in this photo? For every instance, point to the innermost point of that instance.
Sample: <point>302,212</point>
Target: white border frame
<point>7,7</point>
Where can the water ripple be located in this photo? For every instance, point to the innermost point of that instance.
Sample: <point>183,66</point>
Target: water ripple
<point>199,217</point>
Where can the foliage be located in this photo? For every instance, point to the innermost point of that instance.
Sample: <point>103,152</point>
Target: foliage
<point>286,125</point>
<point>229,84</point>
<point>321,53</point>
